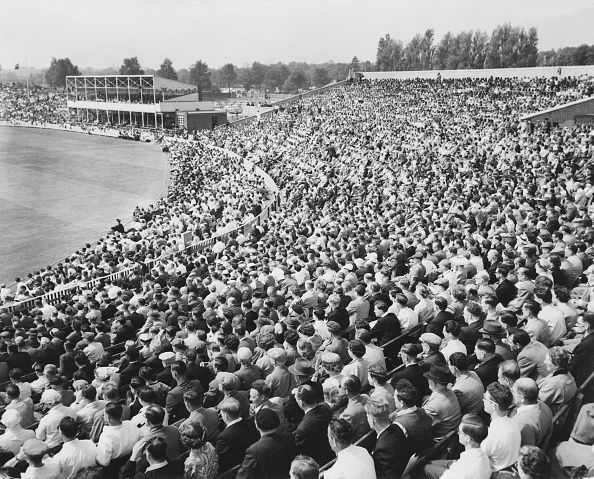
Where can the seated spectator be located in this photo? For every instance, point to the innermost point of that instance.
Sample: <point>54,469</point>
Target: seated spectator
<point>229,386</point>
<point>387,326</point>
<point>468,387</point>
<point>442,405</point>
<point>15,435</point>
<point>373,354</point>
<point>412,371</point>
<point>392,450</point>
<point>533,417</point>
<point>237,436</point>
<point>202,462</point>
<point>351,461</point>
<point>503,441</point>
<point>355,413</point>
<point>303,467</point>
<point>485,361</point>
<point>534,326</point>
<point>48,373</point>
<point>48,425</point>
<point>311,438</point>
<point>533,463</point>
<point>336,343</point>
<point>577,451</point>
<point>280,379</point>
<point>331,365</point>
<point>159,466</point>
<point>117,438</point>
<point>207,418</point>
<point>88,406</point>
<point>381,388</point>
<point>147,397</point>
<point>16,376</point>
<point>431,356</point>
<point>531,354</point>
<point>473,462</point>
<point>76,454</point>
<point>559,387</point>
<point>272,454</point>
<point>413,420</point>
<point>247,372</point>
<point>451,343</point>
<point>24,406</point>
<point>260,399</point>
<point>34,451</point>
<point>175,398</point>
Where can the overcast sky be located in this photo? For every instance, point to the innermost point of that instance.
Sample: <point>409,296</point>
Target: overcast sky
<point>101,33</point>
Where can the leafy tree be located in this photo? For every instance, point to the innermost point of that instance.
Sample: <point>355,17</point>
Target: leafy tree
<point>200,76</point>
<point>246,78</point>
<point>296,81</point>
<point>258,74</point>
<point>131,66</point>
<point>183,75</point>
<point>355,64</point>
<point>59,69</point>
<point>320,77</point>
<point>426,50</point>
<point>229,74</point>
<point>278,75</point>
<point>166,70</point>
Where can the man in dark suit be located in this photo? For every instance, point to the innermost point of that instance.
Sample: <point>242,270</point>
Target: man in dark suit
<point>158,465</point>
<point>582,362</point>
<point>412,371</point>
<point>175,398</point>
<point>311,435</point>
<point>485,361</point>
<point>338,313</point>
<point>470,334</point>
<point>131,369</point>
<point>505,290</point>
<point>392,450</point>
<point>387,326</point>
<point>19,359</point>
<point>238,435</point>
<point>270,457</point>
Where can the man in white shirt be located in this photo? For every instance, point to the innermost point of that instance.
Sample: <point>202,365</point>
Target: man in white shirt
<point>15,435</point>
<point>118,437</point>
<point>48,425</point>
<point>352,462</point>
<point>503,442</point>
<point>473,462</point>
<point>94,350</point>
<point>75,454</point>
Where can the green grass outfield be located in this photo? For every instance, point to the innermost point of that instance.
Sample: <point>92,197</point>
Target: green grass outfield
<point>60,190</point>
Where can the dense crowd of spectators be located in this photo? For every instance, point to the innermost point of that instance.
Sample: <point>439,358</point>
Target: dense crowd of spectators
<point>421,206</point>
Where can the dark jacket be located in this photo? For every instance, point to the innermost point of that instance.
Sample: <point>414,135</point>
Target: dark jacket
<point>233,441</point>
<point>175,400</point>
<point>391,453</point>
<point>506,291</point>
<point>386,328</point>
<point>414,373</point>
<point>311,436</point>
<point>269,458</point>
<point>20,360</point>
<point>486,371</point>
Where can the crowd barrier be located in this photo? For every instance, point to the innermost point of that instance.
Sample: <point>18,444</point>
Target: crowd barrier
<point>222,236</point>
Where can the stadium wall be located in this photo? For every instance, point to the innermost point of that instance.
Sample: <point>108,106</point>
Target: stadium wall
<point>529,72</point>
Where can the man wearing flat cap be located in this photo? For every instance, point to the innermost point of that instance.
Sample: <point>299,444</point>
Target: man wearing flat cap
<point>431,355</point>
<point>271,455</point>
<point>442,405</point>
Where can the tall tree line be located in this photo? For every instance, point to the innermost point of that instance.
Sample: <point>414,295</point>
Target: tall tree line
<point>506,47</point>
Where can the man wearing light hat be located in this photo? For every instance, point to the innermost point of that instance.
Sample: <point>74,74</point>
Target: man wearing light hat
<point>431,354</point>
<point>15,435</point>
<point>48,425</point>
<point>34,451</point>
<point>280,379</point>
